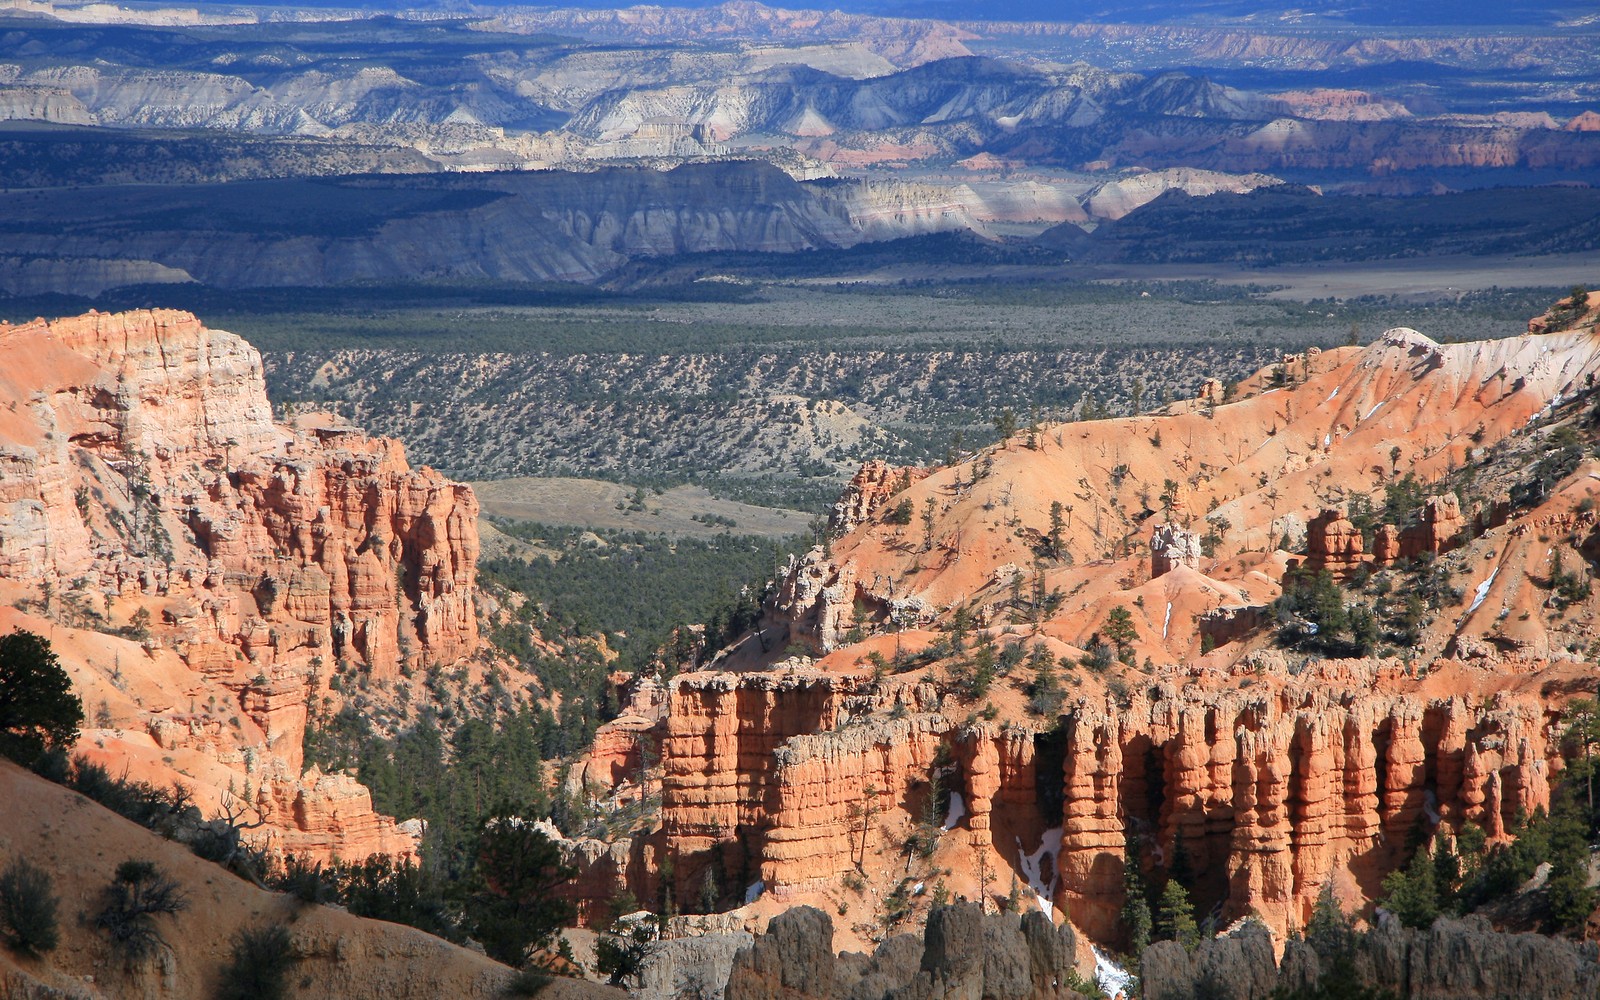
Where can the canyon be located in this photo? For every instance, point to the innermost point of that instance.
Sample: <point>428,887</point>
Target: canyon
<point>842,757</point>
<point>877,746</point>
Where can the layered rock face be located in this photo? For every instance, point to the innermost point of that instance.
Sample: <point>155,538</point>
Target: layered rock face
<point>1334,546</point>
<point>144,478</point>
<point>763,780</point>
<point>151,465</point>
<point>794,779</point>
<point>1269,794</point>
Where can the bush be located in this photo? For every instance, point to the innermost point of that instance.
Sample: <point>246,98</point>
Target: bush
<point>28,908</point>
<point>379,889</point>
<point>262,958</point>
<point>528,983</point>
<point>139,893</point>
<point>306,882</point>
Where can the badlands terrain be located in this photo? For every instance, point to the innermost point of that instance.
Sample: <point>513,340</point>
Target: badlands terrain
<point>1267,643</point>
<point>291,148</point>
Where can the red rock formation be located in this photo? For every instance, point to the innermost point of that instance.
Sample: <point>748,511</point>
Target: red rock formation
<point>1335,545</point>
<point>871,487</point>
<point>1438,529</point>
<point>1272,793</point>
<point>141,470</point>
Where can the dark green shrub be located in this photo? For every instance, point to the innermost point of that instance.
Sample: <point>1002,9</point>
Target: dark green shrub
<point>139,893</point>
<point>262,958</point>
<point>28,908</point>
<point>306,882</point>
<point>528,983</point>
<point>402,894</point>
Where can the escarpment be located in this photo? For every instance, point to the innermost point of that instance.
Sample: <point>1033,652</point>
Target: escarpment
<point>1270,638</point>
<point>791,780</point>
<point>210,572</point>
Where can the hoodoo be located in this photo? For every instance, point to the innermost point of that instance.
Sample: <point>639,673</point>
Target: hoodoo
<point>1022,706</point>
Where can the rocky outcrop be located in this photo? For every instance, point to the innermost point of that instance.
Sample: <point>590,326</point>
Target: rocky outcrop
<point>964,953</point>
<point>144,475</point>
<point>151,464</point>
<point>1439,528</point>
<point>778,783</point>
<point>1238,966</point>
<point>1171,547</point>
<point>1334,545</point>
<point>691,968</point>
<point>1115,199</point>
<point>871,487</point>
<point>1454,960</point>
<point>1269,794</point>
<point>765,779</point>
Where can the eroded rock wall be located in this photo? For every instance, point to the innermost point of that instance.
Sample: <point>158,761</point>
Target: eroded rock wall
<point>147,494</point>
<point>1269,794</point>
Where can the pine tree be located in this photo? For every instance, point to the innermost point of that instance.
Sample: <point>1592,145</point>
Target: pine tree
<point>1057,523</point>
<point>1136,907</point>
<point>1411,893</point>
<point>1175,917</point>
<point>1571,899</point>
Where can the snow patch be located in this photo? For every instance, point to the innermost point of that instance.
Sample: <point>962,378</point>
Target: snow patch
<point>1545,411</point>
<point>754,892</point>
<point>958,809</point>
<point>1332,394</point>
<point>1327,441</point>
<point>1112,978</point>
<point>1430,806</point>
<point>1033,868</point>
<point>1165,622</point>
<point>916,890</point>
<point>1369,413</point>
<point>1482,592</point>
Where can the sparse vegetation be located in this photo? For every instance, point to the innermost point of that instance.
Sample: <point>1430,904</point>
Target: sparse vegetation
<point>139,894</point>
<point>260,965</point>
<point>28,906</point>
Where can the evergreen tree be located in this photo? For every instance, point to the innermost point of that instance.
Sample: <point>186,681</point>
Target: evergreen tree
<point>1571,899</point>
<point>37,706</point>
<point>1136,919</point>
<point>1329,931</point>
<point>1411,893</point>
<point>514,908</point>
<point>1175,916</point>
<point>1118,628</point>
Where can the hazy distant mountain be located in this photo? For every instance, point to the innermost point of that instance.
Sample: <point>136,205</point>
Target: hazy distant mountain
<point>1368,12</point>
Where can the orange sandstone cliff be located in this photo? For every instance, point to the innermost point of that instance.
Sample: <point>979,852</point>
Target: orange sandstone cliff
<point>205,572</point>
